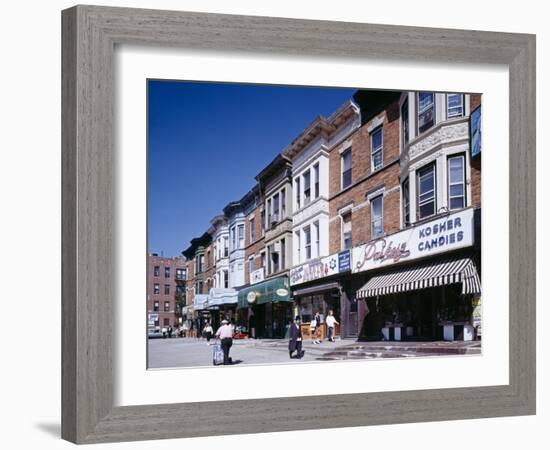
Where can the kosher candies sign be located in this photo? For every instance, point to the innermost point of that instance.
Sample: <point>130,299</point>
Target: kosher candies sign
<point>439,235</point>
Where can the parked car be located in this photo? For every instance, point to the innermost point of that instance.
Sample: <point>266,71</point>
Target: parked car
<point>154,334</point>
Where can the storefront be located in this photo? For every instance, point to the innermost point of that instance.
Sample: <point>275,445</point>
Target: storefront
<point>222,304</point>
<point>421,283</point>
<point>266,308</point>
<point>316,288</point>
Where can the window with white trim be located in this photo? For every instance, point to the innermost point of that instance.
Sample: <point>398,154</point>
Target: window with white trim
<point>455,105</point>
<point>316,180</point>
<point>406,203</point>
<point>297,189</point>
<point>377,217</point>
<point>405,123</point>
<point>426,111</point>
<point>345,163</point>
<point>251,264</point>
<point>307,242</point>
<point>307,186</point>
<point>346,231</point>
<point>283,203</point>
<point>456,181</point>
<point>376,145</point>
<point>426,198</point>
<point>317,239</point>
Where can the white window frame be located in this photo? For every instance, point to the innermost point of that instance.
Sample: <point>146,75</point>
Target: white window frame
<point>343,231</point>
<point>307,246</point>
<point>454,114</point>
<point>380,219</point>
<point>307,197</point>
<point>342,171</point>
<point>251,264</point>
<point>377,150</point>
<point>316,186</point>
<point>418,193</point>
<point>463,182</point>
<point>251,229</point>
<point>420,112</point>
<point>317,228</point>
<point>297,188</point>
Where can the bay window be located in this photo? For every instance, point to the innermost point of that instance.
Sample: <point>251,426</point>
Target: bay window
<point>426,111</point>
<point>426,199</point>
<point>456,181</point>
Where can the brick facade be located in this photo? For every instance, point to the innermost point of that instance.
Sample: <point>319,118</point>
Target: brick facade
<point>163,273</point>
<point>255,246</point>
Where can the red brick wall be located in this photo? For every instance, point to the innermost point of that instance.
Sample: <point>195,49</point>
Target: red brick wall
<point>161,297</point>
<point>253,248</point>
<point>363,181</point>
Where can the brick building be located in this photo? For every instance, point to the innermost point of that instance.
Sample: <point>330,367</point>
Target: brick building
<point>166,278</point>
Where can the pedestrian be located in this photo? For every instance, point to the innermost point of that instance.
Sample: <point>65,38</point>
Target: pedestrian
<point>225,333</point>
<point>331,321</point>
<point>164,332</point>
<point>208,332</point>
<point>315,328</point>
<point>252,326</point>
<point>170,331</point>
<point>295,342</point>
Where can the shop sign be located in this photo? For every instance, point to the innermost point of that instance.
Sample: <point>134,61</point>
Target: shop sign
<point>437,236</point>
<point>282,292</point>
<point>256,276</point>
<point>251,297</point>
<point>320,268</point>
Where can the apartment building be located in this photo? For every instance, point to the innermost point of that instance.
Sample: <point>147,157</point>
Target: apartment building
<point>166,279</point>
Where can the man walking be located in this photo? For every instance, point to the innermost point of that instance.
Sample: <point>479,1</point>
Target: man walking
<point>225,333</point>
<point>331,321</point>
<point>295,343</point>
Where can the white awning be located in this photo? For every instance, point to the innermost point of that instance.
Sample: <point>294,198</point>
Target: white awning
<point>200,301</point>
<point>222,296</point>
<point>426,275</point>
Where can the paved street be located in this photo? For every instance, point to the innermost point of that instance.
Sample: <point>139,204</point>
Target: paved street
<point>190,352</point>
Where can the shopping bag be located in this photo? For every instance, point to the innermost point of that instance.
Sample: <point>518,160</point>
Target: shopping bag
<point>217,354</point>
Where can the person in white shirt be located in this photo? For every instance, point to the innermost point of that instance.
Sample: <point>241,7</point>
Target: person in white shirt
<point>225,333</point>
<point>208,332</point>
<point>331,321</point>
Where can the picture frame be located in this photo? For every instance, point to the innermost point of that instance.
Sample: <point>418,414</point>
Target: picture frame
<point>89,37</point>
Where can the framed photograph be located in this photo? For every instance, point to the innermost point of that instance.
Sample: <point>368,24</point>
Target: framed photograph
<point>303,218</point>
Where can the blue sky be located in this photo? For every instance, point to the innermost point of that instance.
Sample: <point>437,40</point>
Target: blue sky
<point>207,142</point>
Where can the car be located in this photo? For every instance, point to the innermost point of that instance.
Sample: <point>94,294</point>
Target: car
<point>154,334</point>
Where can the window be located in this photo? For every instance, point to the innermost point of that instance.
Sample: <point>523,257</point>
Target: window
<point>167,272</point>
<point>233,238</point>
<point>262,259</point>
<point>241,236</point>
<point>201,263</point>
<point>297,189</point>
<point>180,274</point>
<point>346,231</point>
<point>262,219</point>
<point>455,105</point>
<point>179,289</point>
<point>307,239</point>
<point>283,203</point>
<point>346,168</point>
<point>225,246</point>
<point>283,255</point>
<point>269,213</point>
<point>426,113</point>
<point>166,322</point>
<point>156,306</point>
<point>156,271</point>
<point>166,306</point>
<point>376,144</point>
<point>307,187</point>
<point>251,225</point>
<point>317,239</point>
<point>156,288</point>
<point>208,258</point>
<point>316,180</point>
<point>377,217</point>
<point>251,264</point>
<point>426,191</point>
<point>225,279</point>
<point>405,123</point>
<point>406,204</point>
<point>456,182</point>
<point>298,245</point>
<point>275,217</point>
<point>199,287</point>
<point>166,289</point>
<point>274,257</point>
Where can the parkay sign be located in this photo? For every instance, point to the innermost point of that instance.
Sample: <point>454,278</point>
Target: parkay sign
<point>437,236</point>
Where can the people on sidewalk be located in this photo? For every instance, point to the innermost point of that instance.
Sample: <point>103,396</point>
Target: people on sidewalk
<point>208,332</point>
<point>225,334</point>
<point>295,342</point>
<point>331,321</point>
<point>315,328</point>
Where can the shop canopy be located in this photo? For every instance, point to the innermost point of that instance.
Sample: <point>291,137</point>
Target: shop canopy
<point>425,275</point>
<point>221,296</point>
<point>270,291</point>
<point>200,301</point>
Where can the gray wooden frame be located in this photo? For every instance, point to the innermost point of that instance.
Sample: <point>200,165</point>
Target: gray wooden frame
<point>89,36</point>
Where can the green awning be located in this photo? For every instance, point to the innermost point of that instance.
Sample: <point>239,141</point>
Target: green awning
<point>269,291</point>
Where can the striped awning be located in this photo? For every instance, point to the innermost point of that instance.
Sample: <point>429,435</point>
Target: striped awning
<point>430,274</point>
